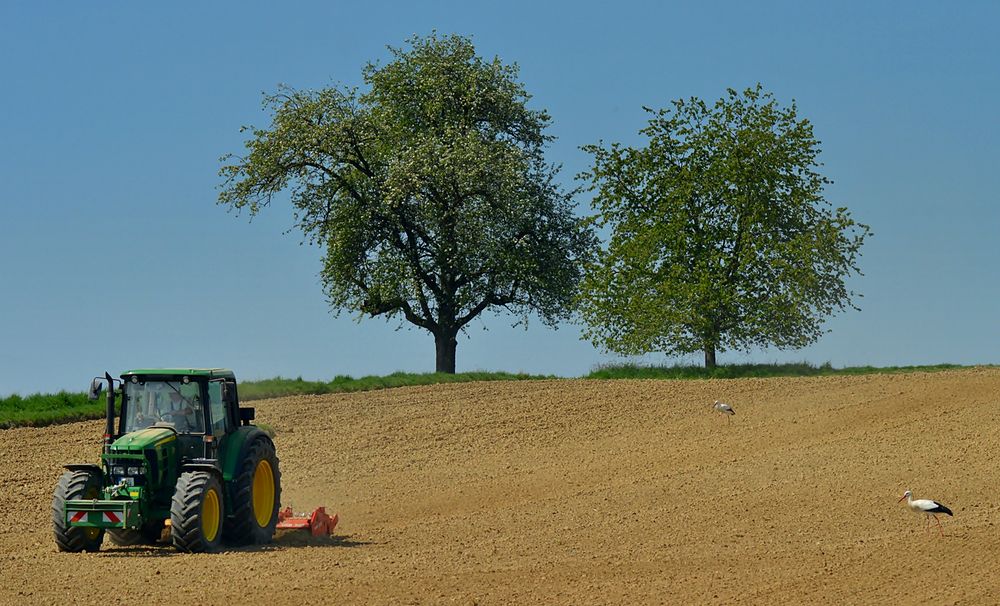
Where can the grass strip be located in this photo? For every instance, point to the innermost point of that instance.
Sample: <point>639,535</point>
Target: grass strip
<point>39,410</point>
<point>278,387</point>
<point>746,371</point>
<point>47,409</point>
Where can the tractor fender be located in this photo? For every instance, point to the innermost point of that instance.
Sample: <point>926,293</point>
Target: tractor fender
<point>95,469</point>
<point>233,452</point>
<point>235,448</point>
<point>209,465</point>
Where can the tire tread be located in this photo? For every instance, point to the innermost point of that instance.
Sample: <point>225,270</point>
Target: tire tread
<point>241,526</point>
<point>72,485</point>
<point>185,512</point>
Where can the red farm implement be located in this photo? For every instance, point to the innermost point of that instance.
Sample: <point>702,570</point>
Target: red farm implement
<point>319,523</point>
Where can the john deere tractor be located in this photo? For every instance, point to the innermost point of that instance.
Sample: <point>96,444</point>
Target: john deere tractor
<point>184,456</point>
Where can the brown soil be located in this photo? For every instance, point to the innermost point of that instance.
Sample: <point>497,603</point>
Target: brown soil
<point>576,492</point>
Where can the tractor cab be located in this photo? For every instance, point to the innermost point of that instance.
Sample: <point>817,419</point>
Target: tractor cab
<point>199,406</point>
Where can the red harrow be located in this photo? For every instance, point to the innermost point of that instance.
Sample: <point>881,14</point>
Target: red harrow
<point>319,523</point>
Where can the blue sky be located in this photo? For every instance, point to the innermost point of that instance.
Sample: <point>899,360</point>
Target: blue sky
<point>113,117</point>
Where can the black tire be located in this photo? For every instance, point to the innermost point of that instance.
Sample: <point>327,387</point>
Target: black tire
<point>197,512</point>
<point>149,534</point>
<point>252,522</point>
<point>75,485</point>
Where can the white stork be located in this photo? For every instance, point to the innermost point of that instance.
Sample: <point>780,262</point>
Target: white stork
<point>927,506</point>
<point>722,408</point>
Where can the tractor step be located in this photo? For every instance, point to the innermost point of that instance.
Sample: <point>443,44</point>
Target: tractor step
<point>318,522</point>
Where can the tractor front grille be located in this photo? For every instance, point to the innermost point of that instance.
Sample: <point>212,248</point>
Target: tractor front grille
<point>131,470</point>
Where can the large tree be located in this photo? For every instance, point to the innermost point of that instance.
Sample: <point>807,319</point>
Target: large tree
<point>719,234</point>
<point>428,191</point>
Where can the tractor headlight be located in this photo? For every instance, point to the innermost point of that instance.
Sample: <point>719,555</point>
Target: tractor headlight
<point>117,470</point>
<point>134,471</point>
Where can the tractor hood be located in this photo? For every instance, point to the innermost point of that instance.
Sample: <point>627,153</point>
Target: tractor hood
<point>150,437</point>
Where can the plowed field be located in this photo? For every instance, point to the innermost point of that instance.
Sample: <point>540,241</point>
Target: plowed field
<point>575,492</point>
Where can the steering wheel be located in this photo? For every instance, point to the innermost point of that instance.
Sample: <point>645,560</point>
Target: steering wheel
<point>176,417</point>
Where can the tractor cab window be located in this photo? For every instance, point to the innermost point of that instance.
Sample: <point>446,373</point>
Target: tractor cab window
<point>164,403</point>
<point>218,408</point>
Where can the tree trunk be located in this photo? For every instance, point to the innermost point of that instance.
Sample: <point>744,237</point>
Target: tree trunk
<point>709,356</point>
<point>445,344</point>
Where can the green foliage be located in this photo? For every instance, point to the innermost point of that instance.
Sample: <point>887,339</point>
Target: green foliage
<point>429,191</point>
<point>720,235</point>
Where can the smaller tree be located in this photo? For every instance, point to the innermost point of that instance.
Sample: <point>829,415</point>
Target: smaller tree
<point>720,237</point>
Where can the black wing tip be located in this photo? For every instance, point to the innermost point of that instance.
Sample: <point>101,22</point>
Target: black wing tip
<point>942,509</point>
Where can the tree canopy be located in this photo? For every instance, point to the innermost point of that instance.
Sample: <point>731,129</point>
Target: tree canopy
<point>720,236</point>
<point>428,191</point>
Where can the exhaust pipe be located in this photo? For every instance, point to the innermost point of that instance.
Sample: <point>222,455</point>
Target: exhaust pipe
<point>109,428</point>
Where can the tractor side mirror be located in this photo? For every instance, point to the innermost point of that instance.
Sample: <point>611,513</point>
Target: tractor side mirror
<point>247,415</point>
<point>96,385</point>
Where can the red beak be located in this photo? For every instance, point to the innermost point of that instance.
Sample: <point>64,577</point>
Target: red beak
<point>901,499</point>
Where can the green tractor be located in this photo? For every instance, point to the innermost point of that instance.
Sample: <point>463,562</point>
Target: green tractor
<point>184,456</point>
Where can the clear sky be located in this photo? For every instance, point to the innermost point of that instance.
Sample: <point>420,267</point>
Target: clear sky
<point>113,116</point>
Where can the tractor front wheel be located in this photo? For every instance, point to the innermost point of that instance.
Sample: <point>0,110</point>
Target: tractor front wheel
<point>196,512</point>
<point>256,493</point>
<point>75,485</point>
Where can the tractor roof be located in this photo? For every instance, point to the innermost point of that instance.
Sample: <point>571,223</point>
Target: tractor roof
<point>211,373</point>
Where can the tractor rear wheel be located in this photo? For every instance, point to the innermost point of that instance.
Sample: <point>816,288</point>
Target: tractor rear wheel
<point>256,494</point>
<point>196,512</point>
<point>74,485</point>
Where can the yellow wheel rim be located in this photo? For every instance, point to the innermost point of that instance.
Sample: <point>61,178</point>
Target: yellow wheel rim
<point>210,515</point>
<point>263,493</point>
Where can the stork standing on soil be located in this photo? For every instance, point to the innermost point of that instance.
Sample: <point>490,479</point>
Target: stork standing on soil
<point>927,506</point>
<point>722,408</point>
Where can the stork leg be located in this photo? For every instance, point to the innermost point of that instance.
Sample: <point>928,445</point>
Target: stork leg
<point>939,525</point>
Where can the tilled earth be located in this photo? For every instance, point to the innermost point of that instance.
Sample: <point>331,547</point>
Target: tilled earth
<point>575,492</point>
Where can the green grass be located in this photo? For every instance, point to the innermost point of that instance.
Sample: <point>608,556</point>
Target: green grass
<point>742,371</point>
<point>47,409</point>
<point>277,387</point>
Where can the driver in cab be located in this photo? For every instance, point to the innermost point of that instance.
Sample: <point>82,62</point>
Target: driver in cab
<point>182,412</point>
